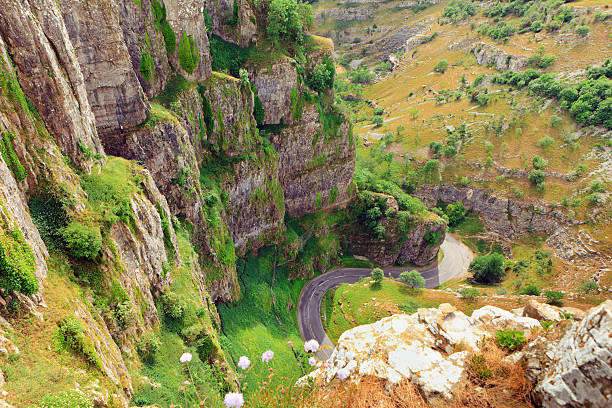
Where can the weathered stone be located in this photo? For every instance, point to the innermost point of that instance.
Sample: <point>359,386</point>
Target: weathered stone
<point>487,54</point>
<point>113,91</point>
<point>274,84</point>
<point>541,311</point>
<point>243,32</point>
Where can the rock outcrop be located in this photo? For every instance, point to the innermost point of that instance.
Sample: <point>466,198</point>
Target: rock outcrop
<point>487,54</point>
<point>430,348</point>
<point>575,371</point>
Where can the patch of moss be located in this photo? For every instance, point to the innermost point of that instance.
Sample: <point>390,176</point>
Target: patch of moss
<point>147,66</point>
<point>188,53</point>
<point>10,157</point>
<point>17,263</point>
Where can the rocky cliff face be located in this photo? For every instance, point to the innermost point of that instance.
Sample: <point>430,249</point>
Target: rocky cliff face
<point>487,54</point>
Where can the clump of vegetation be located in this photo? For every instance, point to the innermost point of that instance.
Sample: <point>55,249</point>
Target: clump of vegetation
<point>66,399</point>
<point>148,347</point>
<point>188,53</point>
<point>541,60</point>
<point>70,335</point>
<point>488,269</point>
<point>589,287</point>
<point>17,264</point>
<point>322,76</point>
<point>510,339</point>
<point>458,10</point>
<point>83,241</point>
<point>287,20</point>
<point>9,155</point>
<point>441,66</point>
<point>554,297</point>
<point>159,20</point>
<point>377,275</point>
<point>147,66</point>
<point>532,289</point>
<point>413,279</point>
<point>469,294</point>
<point>361,76</point>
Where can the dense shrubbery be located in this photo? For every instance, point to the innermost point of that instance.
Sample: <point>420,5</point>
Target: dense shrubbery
<point>554,297</point>
<point>488,268</point>
<point>441,66</point>
<point>287,20</point>
<point>510,339</point>
<point>469,294</point>
<point>188,53</point>
<point>83,241</point>
<point>377,275</point>
<point>458,10</point>
<point>589,101</point>
<point>159,20</point>
<point>322,76</point>
<point>227,57</point>
<point>70,335</point>
<point>500,31</point>
<point>361,76</point>
<point>16,263</point>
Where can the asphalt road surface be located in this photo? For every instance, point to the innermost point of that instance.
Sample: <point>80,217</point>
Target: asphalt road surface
<point>457,258</point>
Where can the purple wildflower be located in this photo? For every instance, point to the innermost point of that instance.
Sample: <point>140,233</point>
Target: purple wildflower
<point>267,356</point>
<point>233,400</point>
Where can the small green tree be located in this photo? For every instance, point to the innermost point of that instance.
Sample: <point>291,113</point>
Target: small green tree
<point>554,297</point>
<point>287,20</point>
<point>377,275</point>
<point>488,268</point>
<point>455,212</point>
<point>412,279</point>
<point>539,163</point>
<point>441,66</point>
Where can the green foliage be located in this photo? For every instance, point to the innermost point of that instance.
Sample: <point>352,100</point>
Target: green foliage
<point>258,110</point>
<point>175,85</point>
<point>287,20</point>
<point>361,76</point>
<point>510,339</point>
<point>488,269</point>
<point>17,264</point>
<point>582,30</point>
<point>188,53</point>
<point>322,76</point>
<point>148,347</point>
<point>589,287</point>
<point>377,275</point>
<point>539,163</point>
<point>469,294</point>
<point>441,66</point>
<point>173,306</point>
<point>147,66</point>
<point>458,10</point>
<point>70,335</point>
<point>537,177</point>
<point>227,57</point>
<point>413,279</point>
<point>159,20</point>
<point>207,112</point>
<point>478,366</point>
<point>541,60</point>
<point>532,289</point>
<point>125,314</point>
<point>207,20</point>
<point>9,155</point>
<point>82,241</point>
<point>554,297</point>
<point>333,195</point>
<point>383,66</point>
<point>455,213</point>
<point>66,399</point>
<point>49,218</point>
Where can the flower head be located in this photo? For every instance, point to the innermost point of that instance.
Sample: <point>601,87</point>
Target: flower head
<point>311,346</point>
<point>312,361</point>
<point>342,373</point>
<point>267,356</point>
<point>244,362</point>
<point>290,343</point>
<point>233,399</point>
<point>185,358</point>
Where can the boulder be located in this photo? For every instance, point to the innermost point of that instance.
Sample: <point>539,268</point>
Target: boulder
<point>576,371</point>
<point>541,311</point>
<point>504,320</point>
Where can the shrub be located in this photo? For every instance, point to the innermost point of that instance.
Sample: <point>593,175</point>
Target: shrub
<point>188,53</point>
<point>362,76</point>
<point>441,66</point>
<point>83,241</point>
<point>71,336</point>
<point>322,76</point>
<point>458,10</point>
<point>287,20</point>
<point>469,294</point>
<point>539,163</point>
<point>531,289</point>
<point>412,279</point>
<point>173,305</point>
<point>379,110</point>
<point>537,177</point>
<point>17,264</point>
<point>126,314</point>
<point>510,339</point>
<point>455,213</point>
<point>377,121</point>
<point>66,399</point>
<point>554,297</point>
<point>589,287</point>
<point>148,347</point>
<point>147,66</point>
<point>545,142</point>
<point>582,30</point>
<point>377,275</point>
<point>488,268</point>
<point>479,367</point>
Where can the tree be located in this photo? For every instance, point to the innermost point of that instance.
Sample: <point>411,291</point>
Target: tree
<point>537,177</point>
<point>441,66</point>
<point>377,275</point>
<point>412,279</point>
<point>488,268</point>
<point>287,20</point>
<point>455,213</point>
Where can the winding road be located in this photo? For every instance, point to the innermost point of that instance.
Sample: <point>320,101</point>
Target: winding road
<point>457,258</point>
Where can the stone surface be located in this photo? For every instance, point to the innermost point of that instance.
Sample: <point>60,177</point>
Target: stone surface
<point>487,54</point>
<point>113,90</point>
<point>50,75</point>
<point>576,371</point>
<point>274,83</point>
<point>541,311</point>
<point>244,33</point>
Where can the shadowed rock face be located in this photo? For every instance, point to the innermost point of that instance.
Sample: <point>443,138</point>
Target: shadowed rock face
<point>113,90</point>
<point>244,32</point>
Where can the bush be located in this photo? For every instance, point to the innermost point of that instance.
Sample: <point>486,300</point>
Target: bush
<point>537,177</point>
<point>458,10</point>
<point>545,142</point>
<point>82,241</point>
<point>441,66</point>
<point>147,66</point>
<point>469,294</point>
<point>554,297</point>
<point>173,305</point>
<point>363,76</point>
<point>66,399</point>
<point>17,264</point>
<point>412,279</point>
<point>287,20</point>
<point>589,287</point>
<point>322,76</point>
<point>126,314</point>
<point>377,121</point>
<point>582,30</point>
<point>510,339</point>
<point>455,213</point>
<point>488,269</point>
<point>377,275</point>
<point>70,335</point>
<point>531,289</point>
<point>379,110</point>
<point>188,53</point>
<point>148,347</point>
<point>539,163</point>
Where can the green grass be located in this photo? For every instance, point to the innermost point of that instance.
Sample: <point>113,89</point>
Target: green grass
<point>390,298</point>
<point>470,225</point>
<point>251,327</point>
